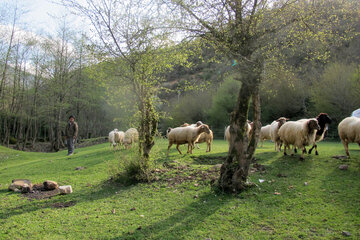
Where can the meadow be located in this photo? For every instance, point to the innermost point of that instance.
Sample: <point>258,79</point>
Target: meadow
<point>311,199</point>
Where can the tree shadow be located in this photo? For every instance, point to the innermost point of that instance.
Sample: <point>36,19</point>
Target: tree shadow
<point>209,159</point>
<point>181,222</point>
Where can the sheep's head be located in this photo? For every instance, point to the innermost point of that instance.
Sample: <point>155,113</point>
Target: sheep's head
<point>323,118</point>
<point>313,125</point>
<point>198,123</point>
<point>281,121</point>
<point>204,128</point>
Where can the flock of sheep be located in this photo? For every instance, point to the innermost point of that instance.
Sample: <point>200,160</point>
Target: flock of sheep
<point>119,138</point>
<point>298,134</point>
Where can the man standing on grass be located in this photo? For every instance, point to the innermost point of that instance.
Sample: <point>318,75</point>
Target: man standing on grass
<point>71,132</point>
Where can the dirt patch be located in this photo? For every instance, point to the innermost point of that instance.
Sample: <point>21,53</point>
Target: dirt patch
<point>63,204</point>
<point>39,193</point>
<point>175,175</point>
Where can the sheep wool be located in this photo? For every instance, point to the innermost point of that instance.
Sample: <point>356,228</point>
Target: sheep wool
<point>349,132</point>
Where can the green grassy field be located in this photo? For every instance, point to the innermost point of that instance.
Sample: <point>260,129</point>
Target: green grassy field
<point>182,204</point>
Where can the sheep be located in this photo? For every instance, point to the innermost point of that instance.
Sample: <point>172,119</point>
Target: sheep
<point>206,137</point>
<point>112,137</point>
<point>349,132</point>
<point>198,123</point>
<point>249,127</point>
<point>186,135</point>
<point>299,134</point>
<point>324,120</point>
<point>274,132</point>
<point>131,136</point>
<point>119,138</point>
<point>264,134</point>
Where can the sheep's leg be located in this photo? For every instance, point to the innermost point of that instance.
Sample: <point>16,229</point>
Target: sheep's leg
<point>170,144</point>
<point>285,146</point>
<point>346,146</point>
<point>313,146</point>
<point>280,144</point>
<point>316,151</point>
<point>177,147</point>
<point>302,154</point>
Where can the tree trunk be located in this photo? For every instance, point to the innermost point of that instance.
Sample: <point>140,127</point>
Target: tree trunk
<point>234,171</point>
<point>148,128</point>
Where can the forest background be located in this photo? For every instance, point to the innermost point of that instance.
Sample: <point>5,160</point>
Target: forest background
<point>44,79</point>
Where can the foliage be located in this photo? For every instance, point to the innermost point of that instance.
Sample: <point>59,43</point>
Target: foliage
<point>338,90</point>
<point>223,103</point>
<point>282,92</point>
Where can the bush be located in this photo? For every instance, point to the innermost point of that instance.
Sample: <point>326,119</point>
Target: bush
<point>130,168</point>
<point>12,140</point>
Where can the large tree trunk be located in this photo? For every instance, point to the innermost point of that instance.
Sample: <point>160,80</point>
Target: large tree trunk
<point>234,171</point>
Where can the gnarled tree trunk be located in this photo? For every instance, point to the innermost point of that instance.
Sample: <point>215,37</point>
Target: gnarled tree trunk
<point>234,171</point>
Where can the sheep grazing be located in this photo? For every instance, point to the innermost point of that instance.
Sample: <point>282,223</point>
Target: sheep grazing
<point>206,137</point>
<point>349,132</point>
<point>186,135</point>
<point>274,132</point>
<point>112,137</point>
<point>131,136</point>
<point>299,134</point>
<point>249,127</point>
<point>324,120</point>
<point>119,138</point>
<point>264,134</point>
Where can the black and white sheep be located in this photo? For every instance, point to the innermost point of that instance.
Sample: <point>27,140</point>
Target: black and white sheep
<point>324,120</point>
<point>299,134</point>
<point>349,132</point>
<point>185,135</point>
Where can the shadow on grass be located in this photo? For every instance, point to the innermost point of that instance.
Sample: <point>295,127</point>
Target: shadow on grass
<point>180,223</point>
<point>210,158</point>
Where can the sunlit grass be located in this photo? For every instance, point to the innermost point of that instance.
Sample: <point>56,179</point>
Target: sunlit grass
<point>315,199</point>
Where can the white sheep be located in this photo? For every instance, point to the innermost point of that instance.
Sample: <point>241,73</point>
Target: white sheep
<point>274,132</point>
<point>206,137</point>
<point>119,138</point>
<point>349,132</point>
<point>198,123</point>
<point>299,134</point>
<point>131,136</point>
<point>248,131</point>
<point>112,137</point>
<point>185,135</point>
<point>264,134</point>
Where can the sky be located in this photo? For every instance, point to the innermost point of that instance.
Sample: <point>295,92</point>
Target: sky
<point>43,16</point>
